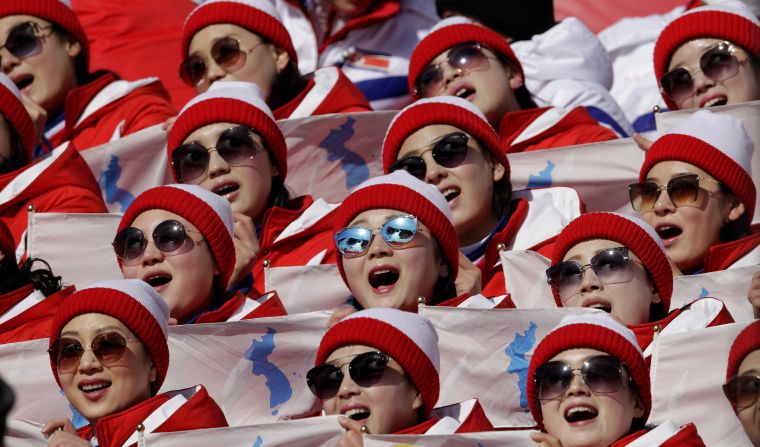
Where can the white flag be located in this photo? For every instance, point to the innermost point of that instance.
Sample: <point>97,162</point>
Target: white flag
<point>516,438</point>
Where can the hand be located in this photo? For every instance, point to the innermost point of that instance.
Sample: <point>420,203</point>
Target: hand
<point>167,126</point>
<point>353,435</point>
<point>545,440</point>
<point>39,116</point>
<point>246,247</point>
<point>468,279</point>
<point>754,294</point>
<point>339,313</point>
<point>643,143</point>
<point>61,433</point>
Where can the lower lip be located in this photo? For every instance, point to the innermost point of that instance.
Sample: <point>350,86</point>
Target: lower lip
<point>384,289</point>
<point>95,395</point>
<point>669,242</point>
<point>454,201</point>
<point>231,196</point>
<point>162,287</point>
<point>579,424</point>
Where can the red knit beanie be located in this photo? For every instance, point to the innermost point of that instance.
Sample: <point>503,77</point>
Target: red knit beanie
<point>258,16</point>
<point>716,143</point>
<point>7,243</point>
<point>592,331</point>
<point>408,338</point>
<point>55,11</point>
<point>450,32</point>
<point>400,191</point>
<point>209,212</point>
<point>230,102</point>
<point>450,110</point>
<point>746,342</point>
<point>12,108</point>
<point>732,21</point>
<point>631,232</point>
<point>133,302</point>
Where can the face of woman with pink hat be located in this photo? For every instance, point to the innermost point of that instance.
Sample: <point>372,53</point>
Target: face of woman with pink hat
<point>742,388</point>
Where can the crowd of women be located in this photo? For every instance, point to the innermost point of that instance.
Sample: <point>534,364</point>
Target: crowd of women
<point>430,230</point>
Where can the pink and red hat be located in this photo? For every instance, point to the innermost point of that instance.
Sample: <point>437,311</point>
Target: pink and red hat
<point>12,108</point>
<point>746,342</point>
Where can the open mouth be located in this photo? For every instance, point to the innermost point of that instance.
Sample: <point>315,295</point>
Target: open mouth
<point>451,193</point>
<point>24,81</point>
<point>383,278</point>
<point>94,387</point>
<point>158,280</point>
<point>226,189</point>
<point>580,414</point>
<point>717,101</point>
<point>668,231</point>
<point>601,305</point>
<point>464,92</point>
<point>357,414</point>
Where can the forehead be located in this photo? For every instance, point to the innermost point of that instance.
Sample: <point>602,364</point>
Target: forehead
<point>7,23</point>
<point>210,132</point>
<point>575,357</point>
<point>421,138</point>
<point>665,170</point>
<point>690,52</point>
<point>206,36</point>
<point>751,362</point>
<point>148,220</point>
<point>375,217</point>
<point>348,351</point>
<point>587,249</point>
<point>90,323</point>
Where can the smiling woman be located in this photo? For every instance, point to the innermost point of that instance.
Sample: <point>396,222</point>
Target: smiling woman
<point>109,353</point>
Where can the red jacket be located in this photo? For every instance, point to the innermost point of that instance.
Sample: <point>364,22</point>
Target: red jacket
<point>34,322</point>
<point>706,311</point>
<point>328,91</point>
<point>158,414</point>
<point>465,417</point>
<point>550,127</point>
<point>107,108</point>
<point>665,435</point>
<point>240,307</point>
<point>61,182</point>
<point>723,256</point>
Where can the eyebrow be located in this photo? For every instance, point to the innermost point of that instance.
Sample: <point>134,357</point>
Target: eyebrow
<point>363,221</point>
<point>677,174</point>
<point>431,144</point>
<point>97,331</point>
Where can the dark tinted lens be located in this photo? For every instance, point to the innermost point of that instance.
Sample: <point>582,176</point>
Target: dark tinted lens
<point>428,82</point>
<point>23,41</point>
<point>109,347</point>
<point>413,165</point>
<point>399,230</point>
<point>226,52</point>
<point>552,379</point>
<point>129,244</point>
<point>366,369</point>
<point>451,150</point>
<point>66,353</point>
<point>683,190</point>
<point>609,264</point>
<point>353,241</point>
<point>466,57</point>
<point>643,196</point>
<point>235,145</point>
<point>677,84</point>
<point>602,374</point>
<point>718,63</point>
<point>169,236</point>
<point>563,273</point>
<point>742,391</point>
<point>192,70</point>
<point>324,381</point>
<point>190,161</point>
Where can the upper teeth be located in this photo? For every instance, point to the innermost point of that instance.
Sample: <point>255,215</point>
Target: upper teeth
<point>449,191</point>
<point>380,272</point>
<point>354,411</point>
<point>578,409</point>
<point>93,386</point>
<point>461,92</point>
<point>713,101</point>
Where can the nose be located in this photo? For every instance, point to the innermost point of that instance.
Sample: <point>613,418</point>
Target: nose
<point>348,387</point>
<point>214,72</point>
<point>378,248</point>
<point>449,73</point>
<point>152,255</point>
<point>663,205</point>
<point>577,386</point>
<point>217,166</point>
<point>434,172</point>
<point>8,61</point>
<point>702,83</point>
<point>589,281</point>
<point>89,363</point>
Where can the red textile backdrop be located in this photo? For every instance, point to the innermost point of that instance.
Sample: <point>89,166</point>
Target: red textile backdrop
<point>599,14</point>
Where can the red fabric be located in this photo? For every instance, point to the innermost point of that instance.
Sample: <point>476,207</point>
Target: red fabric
<point>272,307</point>
<point>142,107</point>
<point>747,341</point>
<point>200,411</point>
<point>506,303</point>
<point>597,18</point>
<point>384,10</point>
<point>294,250</point>
<point>645,332</point>
<point>687,436</point>
<point>476,421</point>
<point>66,186</point>
<point>344,97</point>
<point>576,127</point>
<point>455,302</point>
<point>722,256</point>
<point>137,38</point>
<point>419,429</point>
<point>33,323</point>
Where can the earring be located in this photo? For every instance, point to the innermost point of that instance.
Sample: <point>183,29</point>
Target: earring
<point>421,300</point>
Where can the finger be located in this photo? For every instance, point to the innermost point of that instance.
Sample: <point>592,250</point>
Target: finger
<point>642,142</point>
<point>53,425</point>
<point>352,425</point>
<point>340,313</point>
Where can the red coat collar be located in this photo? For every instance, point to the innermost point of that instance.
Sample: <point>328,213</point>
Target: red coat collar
<point>344,96</point>
<point>78,98</point>
<point>419,428</point>
<point>272,307</point>
<point>503,238</point>
<point>722,256</point>
<point>277,219</point>
<point>384,10</point>
<point>10,299</point>
<point>513,124</point>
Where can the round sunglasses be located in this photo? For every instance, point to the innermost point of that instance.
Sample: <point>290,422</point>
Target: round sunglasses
<point>235,145</point>
<point>682,190</point>
<point>717,63</point>
<point>170,237</point>
<point>449,151</point>
<point>610,266</point>
<point>464,58</point>
<point>602,374</point>
<point>25,40</point>
<point>397,232</point>
<point>365,370</point>
<point>108,348</point>
<point>225,52</point>
<point>742,391</point>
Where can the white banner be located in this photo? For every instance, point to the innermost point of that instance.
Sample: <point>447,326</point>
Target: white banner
<point>688,370</point>
<point>516,438</point>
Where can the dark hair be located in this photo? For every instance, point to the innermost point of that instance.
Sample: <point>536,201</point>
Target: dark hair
<point>288,84</point>
<point>13,277</point>
<point>735,229</point>
<point>279,195</point>
<point>17,157</point>
<point>80,62</point>
<point>522,95</point>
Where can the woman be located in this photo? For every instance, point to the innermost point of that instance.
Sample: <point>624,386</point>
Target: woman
<point>47,57</point>
<point>463,59</point>
<point>226,141</point>
<point>188,257</point>
<point>743,380</point>
<point>709,57</point>
<point>447,142</point>
<point>245,40</point>
<point>696,190</point>
<point>109,354</point>
<point>378,369</point>
<point>617,264</point>
<point>416,257</point>
<point>60,183</point>
<point>607,402</point>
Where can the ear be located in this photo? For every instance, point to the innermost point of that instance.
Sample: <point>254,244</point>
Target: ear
<point>417,403</point>
<point>497,169</point>
<point>737,210</point>
<point>656,296</point>
<point>73,47</point>
<point>443,268</point>
<point>152,374</point>
<point>516,79</point>
<point>638,407</point>
<point>281,59</point>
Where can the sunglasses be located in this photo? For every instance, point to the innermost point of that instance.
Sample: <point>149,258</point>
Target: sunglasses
<point>610,267</point>
<point>717,63</point>
<point>108,348</point>
<point>464,58</point>
<point>365,370</point>
<point>170,237</point>
<point>742,391</point>
<point>235,145</point>
<point>397,232</point>
<point>25,40</point>
<point>682,190</point>
<point>602,374</point>
<point>449,151</point>
<point>225,52</point>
